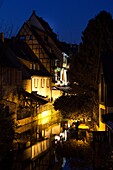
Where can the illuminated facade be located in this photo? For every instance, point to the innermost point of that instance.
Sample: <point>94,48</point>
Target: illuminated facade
<point>36,95</point>
<point>61,78</point>
<point>39,84</point>
<point>43,42</point>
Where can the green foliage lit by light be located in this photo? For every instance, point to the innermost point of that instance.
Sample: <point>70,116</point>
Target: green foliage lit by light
<point>58,69</point>
<point>73,106</point>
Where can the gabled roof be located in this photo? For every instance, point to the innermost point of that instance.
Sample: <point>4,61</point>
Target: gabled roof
<point>45,25</point>
<point>8,57</point>
<point>45,28</point>
<point>107,65</point>
<point>34,31</point>
<point>23,51</point>
<point>39,38</point>
<point>36,24</point>
<point>36,72</point>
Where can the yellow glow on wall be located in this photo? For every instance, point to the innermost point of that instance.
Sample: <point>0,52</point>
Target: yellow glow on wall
<point>101,124</point>
<point>27,85</point>
<point>102,106</point>
<point>44,117</point>
<point>83,126</point>
<point>56,94</point>
<point>101,127</point>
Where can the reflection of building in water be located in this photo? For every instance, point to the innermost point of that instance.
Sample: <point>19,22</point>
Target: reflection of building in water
<point>47,123</point>
<point>35,138</point>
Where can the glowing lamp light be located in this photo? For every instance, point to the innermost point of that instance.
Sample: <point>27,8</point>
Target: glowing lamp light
<point>62,135</point>
<point>83,126</point>
<point>44,117</point>
<point>57,138</point>
<point>58,69</point>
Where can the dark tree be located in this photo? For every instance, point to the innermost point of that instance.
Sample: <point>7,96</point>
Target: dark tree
<point>96,38</point>
<point>75,106</point>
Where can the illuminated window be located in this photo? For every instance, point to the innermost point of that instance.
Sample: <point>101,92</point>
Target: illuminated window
<point>56,61</point>
<point>47,83</point>
<point>38,67</point>
<point>34,66</point>
<point>30,66</point>
<point>35,83</point>
<point>64,61</point>
<point>42,83</point>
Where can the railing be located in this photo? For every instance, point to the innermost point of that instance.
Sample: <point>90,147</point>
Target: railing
<point>25,112</point>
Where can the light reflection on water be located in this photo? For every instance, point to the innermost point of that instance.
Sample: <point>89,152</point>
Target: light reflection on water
<point>33,140</point>
<point>64,162</point>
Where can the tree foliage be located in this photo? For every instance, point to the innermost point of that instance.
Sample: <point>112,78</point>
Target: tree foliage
<point>75,105</point>
<point>96,38</point>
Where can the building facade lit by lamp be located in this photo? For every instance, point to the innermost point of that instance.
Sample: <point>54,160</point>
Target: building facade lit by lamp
<point>61,74</point>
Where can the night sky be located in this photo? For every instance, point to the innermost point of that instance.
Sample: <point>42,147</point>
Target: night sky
<point>67,18</point>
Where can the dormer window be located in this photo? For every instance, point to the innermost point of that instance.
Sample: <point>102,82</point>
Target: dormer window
<point>38,67</point>
<point>32,66</point>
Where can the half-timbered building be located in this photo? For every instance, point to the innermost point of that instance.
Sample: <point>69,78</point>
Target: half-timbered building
<point>44,43</point>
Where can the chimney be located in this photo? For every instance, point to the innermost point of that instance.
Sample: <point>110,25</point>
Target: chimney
<point>2,36</point>
<point>34,12</point>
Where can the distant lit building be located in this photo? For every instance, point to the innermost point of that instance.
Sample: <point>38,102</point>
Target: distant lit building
<point>44,43</point>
